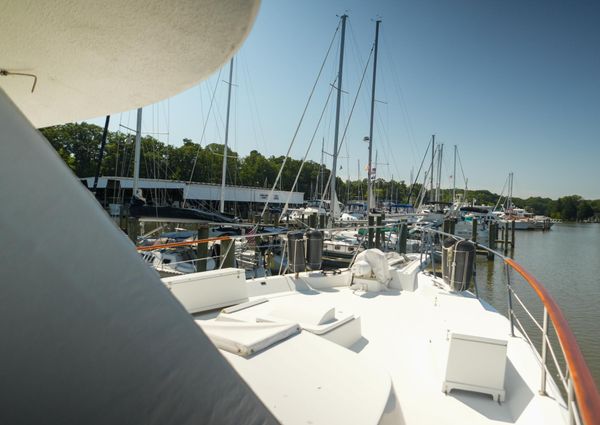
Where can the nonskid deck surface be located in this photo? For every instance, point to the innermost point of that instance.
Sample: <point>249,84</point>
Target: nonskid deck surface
<point>406,335</point>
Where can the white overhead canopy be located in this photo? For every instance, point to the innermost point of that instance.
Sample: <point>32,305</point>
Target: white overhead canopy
<point>102,57</point>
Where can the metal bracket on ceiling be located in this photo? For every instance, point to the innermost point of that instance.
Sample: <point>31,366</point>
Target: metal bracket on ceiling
<point>4,73</point>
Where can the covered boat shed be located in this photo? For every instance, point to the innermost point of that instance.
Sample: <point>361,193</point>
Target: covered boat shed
<point>239,200</point>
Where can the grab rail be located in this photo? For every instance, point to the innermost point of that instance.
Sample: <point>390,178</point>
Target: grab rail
<point>583,398</point>
<point>183,243</point>
<point>202,241</point>
<point>580,379</point>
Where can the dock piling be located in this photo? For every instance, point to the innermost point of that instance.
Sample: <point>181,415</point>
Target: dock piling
<point>312,221</point>
<point>378,231</point>
<point>202,248</point>
<point>506,236</point>
<point>227,253</point>
<point>133,228</point>
<point>371,223</point>
<point>492,232</point>
<point>512,239</point>
<point>403,237</point>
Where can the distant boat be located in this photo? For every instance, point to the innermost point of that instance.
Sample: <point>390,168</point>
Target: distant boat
<point>527,221</point>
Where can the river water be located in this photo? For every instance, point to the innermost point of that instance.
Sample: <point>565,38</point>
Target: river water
<point>566,260</point>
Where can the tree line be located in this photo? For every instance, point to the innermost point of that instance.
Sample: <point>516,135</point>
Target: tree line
<point>78,144</point>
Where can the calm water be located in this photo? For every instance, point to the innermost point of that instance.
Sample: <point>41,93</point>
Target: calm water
<point>566,260</point>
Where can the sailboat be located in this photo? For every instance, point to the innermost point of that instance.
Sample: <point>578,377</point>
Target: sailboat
<point>100,339</point>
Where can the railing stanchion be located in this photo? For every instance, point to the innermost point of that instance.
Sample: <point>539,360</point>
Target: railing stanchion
<point>510,306</point>
<point>544,349</point>
<point>570,397</point>
<point>431,253</point>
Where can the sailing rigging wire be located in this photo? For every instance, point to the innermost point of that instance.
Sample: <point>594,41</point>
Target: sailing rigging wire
<point>413,183</point>
<point>402,102</point>
<point>299,123</point>
<point>461,168</point>
<point>501,194</point>
<point>202,136</point>
<point>255,120</point>
<point>386,146</point>
<point>287,201</point>
<point>387,149</point>
<point>117,154</point>
<point>379,122</point>
<point>343,139</point>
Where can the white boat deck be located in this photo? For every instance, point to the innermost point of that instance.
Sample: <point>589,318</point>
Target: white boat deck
<point>404,337</point>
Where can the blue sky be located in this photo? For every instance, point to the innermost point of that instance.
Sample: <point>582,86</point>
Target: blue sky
<point>514,83</point>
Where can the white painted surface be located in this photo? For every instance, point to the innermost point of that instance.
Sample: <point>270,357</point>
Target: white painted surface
<point>309,380</point>
<point>476,363</point>
<point>406,333</point>
<point>94,58</point>
<point>209,290</point>
<point>245,338</point>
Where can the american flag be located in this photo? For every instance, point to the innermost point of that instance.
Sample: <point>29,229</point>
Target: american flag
<point>252,240</point>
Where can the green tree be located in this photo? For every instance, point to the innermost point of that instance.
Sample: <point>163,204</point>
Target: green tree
<point>256,170</point>
<point>568,207</point>
<point>584,210</point>
<point>77,144</point>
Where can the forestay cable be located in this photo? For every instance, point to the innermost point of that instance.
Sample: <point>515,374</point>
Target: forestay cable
<point>287,201</point>
<point>202,136</point>
<point>299,124</point>
<point>347,124</point>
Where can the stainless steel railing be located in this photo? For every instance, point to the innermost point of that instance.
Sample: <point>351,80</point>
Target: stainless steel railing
<point>583,399</point>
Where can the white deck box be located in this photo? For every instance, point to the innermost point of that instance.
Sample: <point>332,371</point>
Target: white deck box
<point>476,363</point>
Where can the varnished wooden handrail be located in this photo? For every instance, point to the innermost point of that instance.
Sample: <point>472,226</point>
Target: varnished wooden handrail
<point>588,398</point>
<point>184,243</point>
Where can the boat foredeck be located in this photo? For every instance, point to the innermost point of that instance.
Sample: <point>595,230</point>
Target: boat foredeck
<point>406,334</point>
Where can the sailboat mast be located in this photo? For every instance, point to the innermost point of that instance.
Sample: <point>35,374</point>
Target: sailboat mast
<point>432,162</point>
<point>138,149</point>
<point>359,189</point>
<point>510,192</point>
<point>370,199</point>
<point>322,169</point>
<point>224,172</point>
<point>333,196</point>
<point>101,154</point>
<point>454,177</point>
<point>439,173</point>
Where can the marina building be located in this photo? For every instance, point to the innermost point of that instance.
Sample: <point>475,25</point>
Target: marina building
<point>242,201</point>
